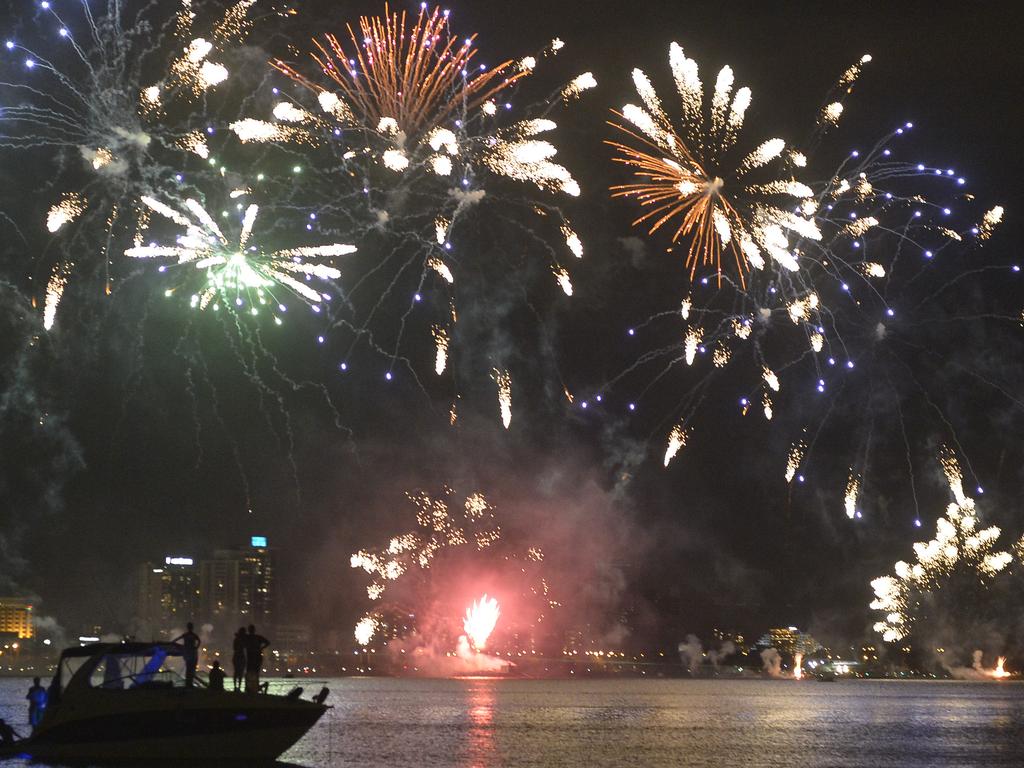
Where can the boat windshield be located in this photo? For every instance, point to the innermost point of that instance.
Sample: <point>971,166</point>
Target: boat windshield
<point>152,667</point>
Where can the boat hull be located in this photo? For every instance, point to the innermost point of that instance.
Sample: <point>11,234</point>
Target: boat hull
<point>235,727</point>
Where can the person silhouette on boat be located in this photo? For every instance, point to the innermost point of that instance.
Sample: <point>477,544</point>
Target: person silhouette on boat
<point>7,734</point>
<point>36,703</point>
<point>216,677</point>
<point>254,645</point>
<point>238,657</point>
<point>190,653</point>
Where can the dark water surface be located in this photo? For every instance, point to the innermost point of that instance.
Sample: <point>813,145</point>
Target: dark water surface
<point>481,723</point>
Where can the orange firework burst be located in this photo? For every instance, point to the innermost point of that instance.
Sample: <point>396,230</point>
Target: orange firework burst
<point>690,179</point>
<point>417,77</point>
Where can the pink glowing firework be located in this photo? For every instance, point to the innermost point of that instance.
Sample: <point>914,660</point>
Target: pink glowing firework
<point>455,535</point>
<point>481,618</point>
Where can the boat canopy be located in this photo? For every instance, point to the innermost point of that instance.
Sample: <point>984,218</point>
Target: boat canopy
<point>128,648</point>
<point>117,666</point>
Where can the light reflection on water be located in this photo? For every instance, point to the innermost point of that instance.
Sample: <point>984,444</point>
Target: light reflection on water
<point>485,723</point>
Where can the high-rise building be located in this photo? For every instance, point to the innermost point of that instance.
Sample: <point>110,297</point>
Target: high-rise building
<point>168,595</point>
<point>256,582</point>
<point>232,588</point>
<point>236,586</point>
<point>218,590</point>
<point>16,617</point>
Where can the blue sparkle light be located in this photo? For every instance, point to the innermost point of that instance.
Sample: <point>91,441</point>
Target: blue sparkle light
<point>632,406</point>
<point>343,367</point>
<point>583,405</point>
<point>388,375</point>
<point>631,332</point>
<point>849,364</point>
<point>319,339</point>
<point>417,297</point>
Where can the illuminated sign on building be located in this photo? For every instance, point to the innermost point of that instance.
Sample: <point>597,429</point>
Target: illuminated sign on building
<point>178,561</point>
<point>259,541</point>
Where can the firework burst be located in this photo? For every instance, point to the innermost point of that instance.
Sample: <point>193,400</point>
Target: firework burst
<point>845,310</point>
<point>691,181</point>
<point>959,546</point>
<point>419,138</point>
<point>89,105</point>
<point>241,274</point>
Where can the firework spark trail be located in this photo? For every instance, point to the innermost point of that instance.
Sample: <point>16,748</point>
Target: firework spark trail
<point>415,128</point>
<point>959,546</point>
<point>845,263</point>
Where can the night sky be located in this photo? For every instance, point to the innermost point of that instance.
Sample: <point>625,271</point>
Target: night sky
<point>156,442</point>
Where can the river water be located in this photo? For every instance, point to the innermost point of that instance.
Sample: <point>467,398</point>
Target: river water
<point>484,723</point>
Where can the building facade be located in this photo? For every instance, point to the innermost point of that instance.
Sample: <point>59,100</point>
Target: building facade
<point>16,617</point>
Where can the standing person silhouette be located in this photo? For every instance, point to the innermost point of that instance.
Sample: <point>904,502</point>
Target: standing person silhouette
<point>190,653</point>
<point>238,657</point>
<point>36,703</point>
<point>254,645</point>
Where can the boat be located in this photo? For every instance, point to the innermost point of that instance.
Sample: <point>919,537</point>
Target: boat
<point>117,701</point>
